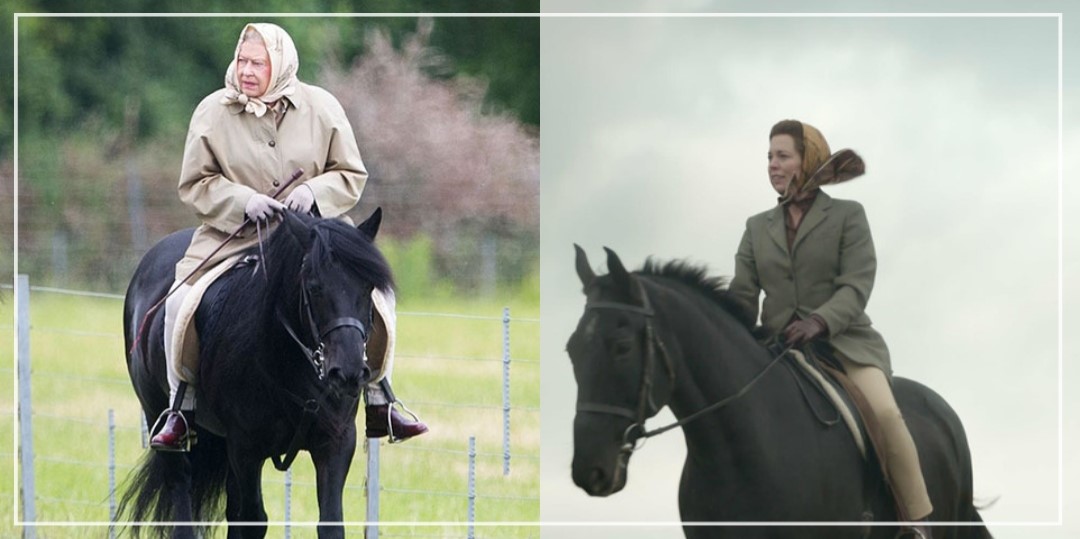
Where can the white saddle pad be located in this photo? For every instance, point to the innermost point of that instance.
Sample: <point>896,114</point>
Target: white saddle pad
<point>383,334</point>
<point>185,343</point>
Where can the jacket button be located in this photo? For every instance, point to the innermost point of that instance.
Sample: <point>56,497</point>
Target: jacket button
<point>276,183</point>
<point>272,144</point>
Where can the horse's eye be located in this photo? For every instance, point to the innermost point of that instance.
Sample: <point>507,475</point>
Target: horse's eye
<point>622,347</point>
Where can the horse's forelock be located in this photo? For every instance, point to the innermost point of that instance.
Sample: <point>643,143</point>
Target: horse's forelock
<point>334,239</point>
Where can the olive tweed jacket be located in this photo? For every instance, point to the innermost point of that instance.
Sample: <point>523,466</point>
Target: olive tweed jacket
<point>829,272</point>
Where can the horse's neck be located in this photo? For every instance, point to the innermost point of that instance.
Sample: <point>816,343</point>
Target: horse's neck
<point>718,357</point>
<point>282,267</point>
<point>257,296</point>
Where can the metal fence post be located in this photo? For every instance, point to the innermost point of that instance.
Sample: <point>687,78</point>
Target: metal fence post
<point>112,474</point>
<point>472,486</point>
<point>506,391</point>
<point>144,431</point>
<point>371,482</point>
<point>26,439</point>
<point>288,501</point>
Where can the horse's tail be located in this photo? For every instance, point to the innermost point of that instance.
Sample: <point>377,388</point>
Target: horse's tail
<point>975,532</point>
<point>176,487</point>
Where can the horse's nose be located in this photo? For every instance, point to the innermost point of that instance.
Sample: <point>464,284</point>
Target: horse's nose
<point>597,481</point>
<point>593,481</point>
<point>365,373</point>
<point>347,382</point>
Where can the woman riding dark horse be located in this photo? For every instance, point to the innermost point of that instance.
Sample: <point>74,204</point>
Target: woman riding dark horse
<point>264,393</point>
<point>761,446</point>
<point>813,256</point>
<point>242,139</point>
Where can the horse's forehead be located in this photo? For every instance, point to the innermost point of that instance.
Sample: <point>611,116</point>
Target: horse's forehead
<point>601,289</point>
<point>589,324</point>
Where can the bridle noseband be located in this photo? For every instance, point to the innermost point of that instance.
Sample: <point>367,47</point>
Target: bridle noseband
<point>315,355</point>
<point>636,432</point>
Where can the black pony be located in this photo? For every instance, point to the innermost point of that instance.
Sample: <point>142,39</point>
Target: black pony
<point>260,394</point>
<point>670,335</point>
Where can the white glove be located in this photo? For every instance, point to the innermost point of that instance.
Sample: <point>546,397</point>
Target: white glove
<point>260,207</point>
<point>301,199</point>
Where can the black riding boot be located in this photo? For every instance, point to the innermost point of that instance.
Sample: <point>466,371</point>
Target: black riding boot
<point>918,530</point>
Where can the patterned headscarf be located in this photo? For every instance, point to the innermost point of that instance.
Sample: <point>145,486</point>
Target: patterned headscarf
<point>819,165</point>
<point>815,152</point>
<point>284,64</point>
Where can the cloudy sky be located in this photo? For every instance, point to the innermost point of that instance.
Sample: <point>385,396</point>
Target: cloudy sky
<point>654,141</point>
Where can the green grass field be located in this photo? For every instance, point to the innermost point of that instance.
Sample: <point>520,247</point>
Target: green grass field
<point>448,369</point>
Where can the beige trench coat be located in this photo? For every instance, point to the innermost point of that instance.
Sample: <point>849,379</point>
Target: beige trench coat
<point>231,155</point>
<point>829,272</point>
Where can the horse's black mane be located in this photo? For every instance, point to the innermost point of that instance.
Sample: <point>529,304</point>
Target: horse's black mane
<point>713,287</point>
<point>336,239</point>
<point>330,246</point>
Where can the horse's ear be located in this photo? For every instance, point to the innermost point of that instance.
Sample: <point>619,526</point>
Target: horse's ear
<point>584,270</point>
<point>298,229</point>
<point>370,226</point>
<point>618,271</point>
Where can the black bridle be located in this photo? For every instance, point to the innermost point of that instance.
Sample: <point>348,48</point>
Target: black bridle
<point>314,354</point>
<point>646,406</point>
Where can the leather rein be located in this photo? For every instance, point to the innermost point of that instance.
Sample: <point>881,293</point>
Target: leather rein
<point>646,408</point>
<point>317,360</point>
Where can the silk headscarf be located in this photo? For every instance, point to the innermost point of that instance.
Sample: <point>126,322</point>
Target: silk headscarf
<point>820,166</point>
<point>284,64</point>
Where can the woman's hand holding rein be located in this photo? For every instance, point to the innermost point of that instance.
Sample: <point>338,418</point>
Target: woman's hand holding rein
<point>301,199</point>
<point>261,207</point>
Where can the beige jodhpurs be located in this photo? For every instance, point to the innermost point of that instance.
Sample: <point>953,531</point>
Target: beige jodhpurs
<point>905,473</point>
<point>172,369</point>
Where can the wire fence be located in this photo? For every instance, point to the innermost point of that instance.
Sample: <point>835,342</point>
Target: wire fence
<point>36,464</point>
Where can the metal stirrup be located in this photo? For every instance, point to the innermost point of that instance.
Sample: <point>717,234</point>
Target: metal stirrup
<point>189,435</point>
<point>389,419</point>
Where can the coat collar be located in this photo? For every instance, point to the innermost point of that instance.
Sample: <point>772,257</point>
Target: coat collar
<point>237,108</point>
<point>817,215</point>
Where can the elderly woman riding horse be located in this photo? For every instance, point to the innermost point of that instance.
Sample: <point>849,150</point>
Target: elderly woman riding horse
<point>242,140</point>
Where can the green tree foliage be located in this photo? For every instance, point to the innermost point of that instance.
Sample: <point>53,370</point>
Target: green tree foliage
<point>74,67</point>
<point>102,98</point>
<point>468,179</point>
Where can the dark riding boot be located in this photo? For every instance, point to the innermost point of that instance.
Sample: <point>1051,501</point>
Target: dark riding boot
<point>397,426</point>
<point>920,530</point>
<point>177,434</point>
